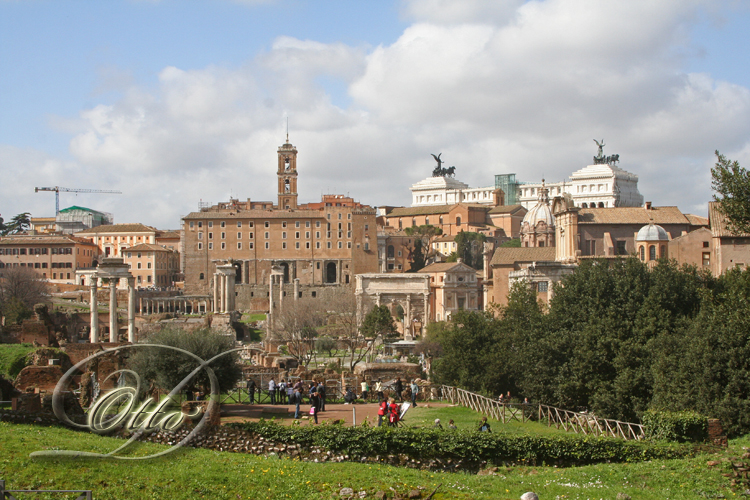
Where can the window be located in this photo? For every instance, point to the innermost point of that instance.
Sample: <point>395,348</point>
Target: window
<point>223,245</point>
<point>210,246</point>
<point>267,224</point>
<point>307,245</point>
<point>390,266</point>
<point>200,277</point>
<point>191,225</point>
<point>340,245</point>
<point>130,255</point>
<point>348,244</point>
<point>200,246</point>
<point>621,247</point>
<point>223,224</point>
<point>296,234</point>
<point>296,223</point>
<point>239,223</point>
<point>267,234</point>
<point>642,253</point>
<point>250,224</point>
<point>210,236</point>
<point>307,235</point>
<point>239,245</point>
<point>267,245</point>
<point>200,236</point>
<point>210,223</point>
<point>367,227</point>
<point>317,234</point>
<point>283,235</point>
<point>223,236</point>
<point>317,223</point>
<point>458,220</point>
<point>250,235</point>
<point>367,247</point>
<point>250,245</point>
<point>296,245</point>
<point>148,265</point>
<point>283,245</point>
<point>148,278</point>
<point>138,265</point>
<point>307,223</point>
<point>329,244</point>
<point>339,214</point>
<point>200,223</point>
<point>239,236</point>
<point>283,223</point>
<point>542,286</point>
<point>706,258</point>
<point>317,245</point>
<point>652,252</point>
<point>705,244</point>
<point>391,252</point>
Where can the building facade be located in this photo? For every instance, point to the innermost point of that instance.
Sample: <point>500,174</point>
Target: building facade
<point>320,244</point>
<point>54,257</point>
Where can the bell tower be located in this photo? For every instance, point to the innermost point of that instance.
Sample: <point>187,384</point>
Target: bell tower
<point>287,174</point>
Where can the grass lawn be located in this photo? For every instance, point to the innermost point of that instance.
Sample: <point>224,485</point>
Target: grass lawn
<point>465,418</point>
<point>252,318</point>
<point>195,473</point>
<point>10,353</point>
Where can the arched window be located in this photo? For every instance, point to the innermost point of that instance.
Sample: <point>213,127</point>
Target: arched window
<point>201,276</point>
<point>541,243</point>
<point>652,252</point>
<point>427,221</point>
<point>584,205</point>
<point>458,220</point>
<point>642,253</point>
<point>413,222</point>
<point>391,252</point>
<point>601,205</point>
<point>441,219</point>
<point>663,252</point>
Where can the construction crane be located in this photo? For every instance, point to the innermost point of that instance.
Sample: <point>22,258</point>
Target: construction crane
<point>57,190</point>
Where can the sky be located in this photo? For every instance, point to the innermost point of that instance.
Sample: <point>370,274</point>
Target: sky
<point>181,102</point>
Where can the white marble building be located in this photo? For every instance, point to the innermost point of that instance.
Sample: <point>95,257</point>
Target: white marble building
<point>602,185</point>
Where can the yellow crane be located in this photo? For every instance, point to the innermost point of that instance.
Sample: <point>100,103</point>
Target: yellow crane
<point>57,190</point>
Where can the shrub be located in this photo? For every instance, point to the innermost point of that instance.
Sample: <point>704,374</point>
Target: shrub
<point>686,426</point>
<point>471,446</point>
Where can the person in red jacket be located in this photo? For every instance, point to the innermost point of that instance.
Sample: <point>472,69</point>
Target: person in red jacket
<point>382,410</point>
<point>394,411</point>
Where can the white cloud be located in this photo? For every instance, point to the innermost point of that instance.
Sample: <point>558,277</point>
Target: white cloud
<point>497,87</point>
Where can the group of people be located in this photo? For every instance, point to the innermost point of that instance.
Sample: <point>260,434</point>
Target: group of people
<point>398,391</point>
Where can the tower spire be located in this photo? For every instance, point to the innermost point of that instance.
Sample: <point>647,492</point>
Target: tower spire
<point>287,130</point>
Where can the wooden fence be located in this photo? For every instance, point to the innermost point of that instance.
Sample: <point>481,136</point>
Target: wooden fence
<point>583,423</point>
<point>504,412</point>
<point>569,421</point>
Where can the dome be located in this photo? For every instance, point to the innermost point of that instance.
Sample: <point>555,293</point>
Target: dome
<point>652,232</point>
<point>541,212</point>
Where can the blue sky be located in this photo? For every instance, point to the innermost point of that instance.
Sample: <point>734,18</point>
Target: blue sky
<point>173,102</point>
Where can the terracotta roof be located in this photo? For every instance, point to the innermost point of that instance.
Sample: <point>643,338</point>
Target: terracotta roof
<point>632,215</point>
<point>168,234</point>
<point>505,256</point>
<point>719,221</point>
<point>507,209</point>
<point>147,247</point>
<point>444,238</point>
<point>697,220</point>
<point>443,267</point>
<point>119,228</point>
<point>257,214</point>
<point>41,239</point>
<point>433,209</point>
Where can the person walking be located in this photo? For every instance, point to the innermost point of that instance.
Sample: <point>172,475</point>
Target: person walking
<point>399,388</point>
<point>251,390</point>
<point>379,390</point>
<point>414,391</point>
<point>296,399</point>
<point>382,410</point>
<point>365,390</point>
<point>272,391</point>
<point>281,390</point>
<point>322,396</point>
<point>314,405</point>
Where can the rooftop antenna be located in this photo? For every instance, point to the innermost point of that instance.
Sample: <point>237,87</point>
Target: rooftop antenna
<point>287,130</point>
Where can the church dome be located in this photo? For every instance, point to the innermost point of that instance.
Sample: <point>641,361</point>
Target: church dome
<point>541,212</point>
<point>652,232</point>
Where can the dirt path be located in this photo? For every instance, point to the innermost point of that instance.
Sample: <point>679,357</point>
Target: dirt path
<point>285,413</point>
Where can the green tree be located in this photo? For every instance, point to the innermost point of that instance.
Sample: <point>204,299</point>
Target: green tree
<point>422,250</point>
<point>20,289</point>
<point>732,185</point>
<point>514,243</point>
<point>325,344</point>
<point>166,368</point>
<point>17,224</point>
<point>378,322</point>
<point>470,247</point>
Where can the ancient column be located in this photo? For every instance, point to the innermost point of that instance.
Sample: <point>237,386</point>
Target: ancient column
<point>131,309</point>
<point>426,314</point>
<point>113,309</point>
<point>94,312</point>
<point>296,288</point>
<point>229,292</point>
<point>281,292</point>
<point>216,292</point>
<point>270,302</point>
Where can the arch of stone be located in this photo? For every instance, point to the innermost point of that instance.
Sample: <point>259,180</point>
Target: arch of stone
<point>410,291</point>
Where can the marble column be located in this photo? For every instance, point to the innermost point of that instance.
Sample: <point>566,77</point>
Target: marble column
<point>216,292</point>
<point>229,292</point>
<point>131,309</point>
<point>296,288</point>
<point>426,314</point>
<point>113,309</point>
<point>94,304</point>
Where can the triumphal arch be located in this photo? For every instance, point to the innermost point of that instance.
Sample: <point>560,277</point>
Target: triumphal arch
<point>409,291</point>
